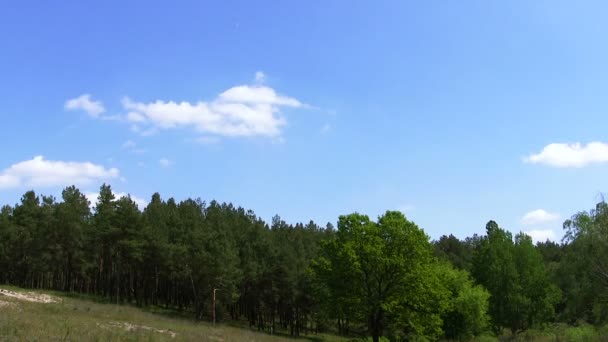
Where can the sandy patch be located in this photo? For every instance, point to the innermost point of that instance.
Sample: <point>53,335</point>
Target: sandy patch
<point>4,304</point>
<point>29,296</point>
<point>133,327</point>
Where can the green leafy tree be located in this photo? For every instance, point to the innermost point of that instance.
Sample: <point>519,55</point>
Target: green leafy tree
<point>459,253</point>
<point>583,270</point>
<point>515,276</point>
<point>467,315</point>
<point>382,273</point>
<point>538,295</point>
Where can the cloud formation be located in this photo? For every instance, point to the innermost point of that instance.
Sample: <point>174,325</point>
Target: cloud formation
<point>40,172</point>
<point>86,104</point>
<point>541,235</point>
<point>241,111</point>
<point>539,216</point>
<point>571,155</point>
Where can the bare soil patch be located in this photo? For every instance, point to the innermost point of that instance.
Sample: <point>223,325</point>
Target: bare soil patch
<point>29,296</point>
<point>4,304</point>
<point>133,327</point>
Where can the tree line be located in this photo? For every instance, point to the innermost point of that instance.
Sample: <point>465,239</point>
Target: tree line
<point>364,277</point>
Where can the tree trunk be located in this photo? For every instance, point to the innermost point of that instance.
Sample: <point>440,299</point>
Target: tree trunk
<point>376,329</point>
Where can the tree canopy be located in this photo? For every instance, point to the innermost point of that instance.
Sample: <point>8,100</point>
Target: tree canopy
<point>366,277</point>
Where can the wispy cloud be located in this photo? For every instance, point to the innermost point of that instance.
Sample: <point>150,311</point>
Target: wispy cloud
<point>86,104</point>
<point>260,77</point>
<point>129,144</point>
<point>164,162</point>
<point>132,147</point>
<point>571,155</point>
<point>325,128</point>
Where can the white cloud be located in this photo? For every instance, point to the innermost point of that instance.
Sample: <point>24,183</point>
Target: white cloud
<point>539,216</point>
<point>135,117</point>
<point>141,203</point>
<point>244,110</point>
<point>84,102</point>
<point>570,155</point>
<point>260,77</point>
<point>42,172</point>
<point>9,181</point>
<point>256,95</point>
<point>164,162</point>
<point>541,235</point>
<point>538,223</point>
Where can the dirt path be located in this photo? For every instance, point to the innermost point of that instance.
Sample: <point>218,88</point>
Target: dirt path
<point>133,327</point>
<point>29,296</point>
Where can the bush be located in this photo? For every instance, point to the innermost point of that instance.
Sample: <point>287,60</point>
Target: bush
<point>581,333</point>
<point>485,338</point>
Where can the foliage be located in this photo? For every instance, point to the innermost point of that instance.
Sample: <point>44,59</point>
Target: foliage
<point>583,272</point>
<point>390,270</point>
<point>513,272</point>
<point>367,278</point>
<point>459,253</point>
<point>172,254</point>
<point>467,315</point>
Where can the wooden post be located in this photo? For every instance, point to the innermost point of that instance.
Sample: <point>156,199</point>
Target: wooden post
<point>214,306</point>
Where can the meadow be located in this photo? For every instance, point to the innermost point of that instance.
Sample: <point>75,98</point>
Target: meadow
<point>69,318</point>
<point>55,316</point>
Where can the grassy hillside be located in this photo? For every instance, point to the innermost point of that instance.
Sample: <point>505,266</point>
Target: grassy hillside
<point>50,316</point>
<point>70,319</point>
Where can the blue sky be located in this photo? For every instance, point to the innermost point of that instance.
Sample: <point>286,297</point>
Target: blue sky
<point>455,112</point>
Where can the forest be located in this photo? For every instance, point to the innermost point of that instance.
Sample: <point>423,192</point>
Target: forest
<point>377,277</point>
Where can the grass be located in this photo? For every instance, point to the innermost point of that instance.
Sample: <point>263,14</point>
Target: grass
<point>82,318</point>
<point>557,332</point>
<point>78,319</point>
